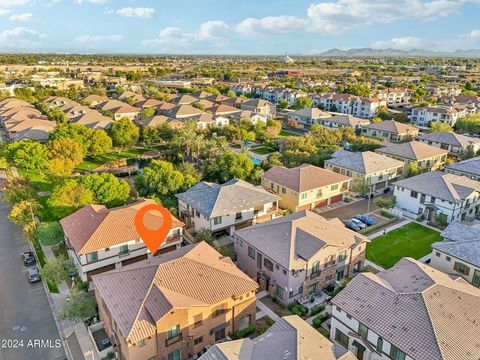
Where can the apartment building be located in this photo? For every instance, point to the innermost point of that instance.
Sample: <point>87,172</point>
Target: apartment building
<point>426,157</point>
<point>349,104</point>
<point>305,187</point>
<point>439,195</point>
<point>469,168</point>
<point>377,170</point>
<point>456,144</point>
<point>174,305</point>
<point>389,130</point>
<point>459,253</point>
<point>100,239</point>
<point>226,207</point>
<point>290,337</point>
<point>409,312</point>
<point>422,117</point>
<point>300,254</point>
<point>394,97</point>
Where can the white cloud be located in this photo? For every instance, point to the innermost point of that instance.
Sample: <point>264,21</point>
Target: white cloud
<point>91,1</point>
<point>20,17</point>
<point>212,33</point>
<point>399,43</point>
<point>20,38</point>
<point>136,12</point>
<point>13,3</point>
<point>341,15</point>
<point>474,34</point>
<point>89,39</point>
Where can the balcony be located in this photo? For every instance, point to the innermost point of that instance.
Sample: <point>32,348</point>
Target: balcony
<point>174,340</point>
<point>315,274</point>
<point>123,253</point>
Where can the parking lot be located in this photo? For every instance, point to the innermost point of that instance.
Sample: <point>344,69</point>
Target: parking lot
<point>350,210</point>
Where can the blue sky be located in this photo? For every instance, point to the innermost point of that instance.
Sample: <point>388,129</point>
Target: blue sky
<point>236,27</point>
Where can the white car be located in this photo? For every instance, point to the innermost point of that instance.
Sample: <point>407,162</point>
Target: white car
<point>359,223</point>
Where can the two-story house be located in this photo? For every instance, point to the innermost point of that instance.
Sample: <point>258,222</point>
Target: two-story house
<point>389,130</point>
<point>425,157</point>
<point>459,252</point>
<point>409,312</point>
<point>299,254</point>
<point>174,305</point>
<point>439,195</point>
<point>449,114</point>
<point>290,337</point>
<point>307,117</point>
<point>100,239</point>
<point>376,170</point>
<point>305,187</point>
<point>469,168</point>
<point>343,120</point>
<point>226,207</point>
<point>260,106</point>
<point>456,144</point>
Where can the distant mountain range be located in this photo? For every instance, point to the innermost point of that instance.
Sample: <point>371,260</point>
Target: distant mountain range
<point>394,52</point>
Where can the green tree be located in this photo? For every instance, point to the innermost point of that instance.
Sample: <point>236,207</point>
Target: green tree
<point>412,169</point>
<point>147,113</point>
<point>160,177</point>
<point>469,124</point>
<point>282,104</point>
<point>377,120</point>
<point>58,269</point>
<point>124,133</point>
<point>69,197</point>
<point>97,142</point>
<point>360,186</point>
<point>273,129</point>
<point>66,148</point>
<point>302,102</point>
<point>204,235</point>
<point>150,135</point>
<point>437,126</point>
<point>58,168</point>
<point>229,166</point>
<point>80,306</point>
<point>28,154</point>
<point>383,113</point>
<point>107,189</point>
<point>17,190</point>
<point>22,213</point>
<point>385,202</point>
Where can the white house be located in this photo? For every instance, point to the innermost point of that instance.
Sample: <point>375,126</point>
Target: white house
<point>227,207</point>
<point>307,117</point>
<point>410,312</point>
<point>456,144</point>
<point>449,114</point>
<point>349,104</point>
<point>100,239</point>
<point>438,194</point>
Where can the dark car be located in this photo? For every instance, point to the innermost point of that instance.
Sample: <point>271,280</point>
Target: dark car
<point>367,220</point>
<point>387,190</point>
<point>351,225</point>
<point>28,258</point>
<point>33,274</point>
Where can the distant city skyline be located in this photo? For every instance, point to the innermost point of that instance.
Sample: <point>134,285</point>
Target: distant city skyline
<point>236,28</point>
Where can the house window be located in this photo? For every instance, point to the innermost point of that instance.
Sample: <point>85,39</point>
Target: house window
<point>197,213</point>
<point>334,187</point>
<point>476,278</point>
<point>141,342</point>
<point>437,254</point>
<point>396,353</point>
<point>342,256</point>
<point>219,310</point>
<point>217,220</point>
<point>319,193</point>
<point>197,320</point>
<point>341,338</point>
<point>198,340</point>
<point>448,258</point>
<point>413,194</point>
<point>175,355</point>
<point>303,195</point>
<point>284,272</point>
<point>277,267</point>
<point>238,216</point>
<point>316,268</point>
<point>251,252</point>
<point>462,268</point>
<point>173,332</point>
<point>268,264</point>
<point>219,335</point>
<point>284,191</point>
<point>92,257</point>
<point>123,249</point>
<point>379,345</point>
<point>279,291</point>
<point>362,330</point>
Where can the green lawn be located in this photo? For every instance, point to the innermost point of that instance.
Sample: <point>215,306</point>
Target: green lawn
<point>262,150</point>
<point>37,179</point>
<point>50,233</point>
<point>285,133</point>
<point>91,163</point>
<point>412,240</point>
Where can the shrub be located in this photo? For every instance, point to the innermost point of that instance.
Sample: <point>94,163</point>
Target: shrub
<point>319,320</point>
<point>317,309</point>
<point>240,334</point>
<point>298,309</point>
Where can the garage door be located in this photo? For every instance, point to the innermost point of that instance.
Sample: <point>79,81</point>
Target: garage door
<point>134,260</point>
<point>321,203</point>
<point>99,270</point>
<point>380,185</point>
<point>335,199</point>
<point>165,250</point>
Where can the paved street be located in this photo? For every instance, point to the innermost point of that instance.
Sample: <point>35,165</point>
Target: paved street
<point>350,210</point>
<point>24,310</point>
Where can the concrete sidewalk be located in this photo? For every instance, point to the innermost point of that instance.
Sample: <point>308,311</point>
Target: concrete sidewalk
<point>267,311</point>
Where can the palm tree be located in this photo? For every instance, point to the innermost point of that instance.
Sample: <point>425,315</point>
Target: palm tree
<point>186,139</point>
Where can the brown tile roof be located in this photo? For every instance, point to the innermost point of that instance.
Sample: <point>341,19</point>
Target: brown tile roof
<point>223,109</point>
<point>217,97</point>
<point>149,103</point>
<point>303,177</point>
<point>184,100</point>
<point>139,295</point>
<point>94,227</point>
<point>413,150</point>
<point>393,127</point>
<point>425,313</point>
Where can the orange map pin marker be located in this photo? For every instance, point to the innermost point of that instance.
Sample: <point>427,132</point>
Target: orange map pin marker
<point>153,238</point>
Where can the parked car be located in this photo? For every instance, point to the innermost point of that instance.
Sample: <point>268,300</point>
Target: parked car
<point>351,225</point>
<point>33,274</point>
<point>360,224</point>
<point>367,220</point>
<point>387,190</point>
<point>28,258</point>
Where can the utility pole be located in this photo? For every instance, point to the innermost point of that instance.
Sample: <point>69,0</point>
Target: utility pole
<point>369,198</point>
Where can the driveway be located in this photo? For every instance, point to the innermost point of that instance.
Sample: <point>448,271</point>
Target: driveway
<point>25,314</point>
<point>350,210</point>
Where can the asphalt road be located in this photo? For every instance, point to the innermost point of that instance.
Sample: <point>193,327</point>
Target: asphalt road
<point>27,327</point>
<point>350,210</point>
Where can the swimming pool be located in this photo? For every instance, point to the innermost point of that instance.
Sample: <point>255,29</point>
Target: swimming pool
<point>255,160</point>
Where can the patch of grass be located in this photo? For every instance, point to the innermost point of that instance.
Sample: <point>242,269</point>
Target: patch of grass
<point>38,181</point>
<point>46,214</point>
<point>50,233</point>
<point>227,250</point>
<point>52,286</point>
<point>412,240</point>
<point>286,133</point>
<point>91,163</point>
<point>262,150</point>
